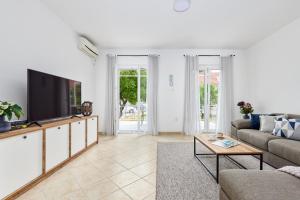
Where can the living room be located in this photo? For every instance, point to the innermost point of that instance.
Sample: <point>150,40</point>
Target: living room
<point>153,88</point>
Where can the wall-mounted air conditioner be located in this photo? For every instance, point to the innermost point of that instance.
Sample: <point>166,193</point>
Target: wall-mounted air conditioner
<point>88,47</point>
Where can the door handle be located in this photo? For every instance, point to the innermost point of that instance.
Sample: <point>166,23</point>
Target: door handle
<point>24,137</point>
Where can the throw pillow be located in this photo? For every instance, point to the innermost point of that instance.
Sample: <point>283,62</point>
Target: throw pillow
<point>296,135</point>
<point>267,123</point>
<point>288,128</point>
<point>255,124</point>
<point>279,123</point>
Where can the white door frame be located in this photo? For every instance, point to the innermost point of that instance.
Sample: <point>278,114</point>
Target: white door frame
<point>137,67</point>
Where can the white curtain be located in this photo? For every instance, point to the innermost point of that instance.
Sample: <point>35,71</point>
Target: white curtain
<point>153,62</point>
<point>110,108</point>
<point>191,124</point>
<point>226,96</point>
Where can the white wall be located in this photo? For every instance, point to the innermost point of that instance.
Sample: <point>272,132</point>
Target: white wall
<point>273,75</point>
<point>240,82</point>
<point>170,100</point>
<point>33,37</point>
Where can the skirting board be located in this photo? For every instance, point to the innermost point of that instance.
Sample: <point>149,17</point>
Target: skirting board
<point>170,133</point>
<point>160,133</point>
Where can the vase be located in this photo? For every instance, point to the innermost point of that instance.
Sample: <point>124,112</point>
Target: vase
<point>246,116</point>
<point>4,125</point>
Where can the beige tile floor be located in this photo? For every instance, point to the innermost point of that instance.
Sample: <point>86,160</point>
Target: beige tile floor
<point>118,168</point>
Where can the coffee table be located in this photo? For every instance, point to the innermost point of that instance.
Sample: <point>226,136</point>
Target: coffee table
<point>241,149</point>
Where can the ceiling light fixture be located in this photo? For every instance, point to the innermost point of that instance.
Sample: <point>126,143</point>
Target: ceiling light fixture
<point>182,5</point>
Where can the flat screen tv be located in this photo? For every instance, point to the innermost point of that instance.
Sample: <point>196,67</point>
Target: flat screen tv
<point>50,97</point>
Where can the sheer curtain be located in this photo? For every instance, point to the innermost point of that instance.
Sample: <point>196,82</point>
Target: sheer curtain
<point>153,62</point>
<point>226,96</point>
<point>191,124</point>
<point>110,110</point>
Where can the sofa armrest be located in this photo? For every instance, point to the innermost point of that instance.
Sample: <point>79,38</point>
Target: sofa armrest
<point>241,124</point>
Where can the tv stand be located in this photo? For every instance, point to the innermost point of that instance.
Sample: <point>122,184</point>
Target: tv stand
<point>76,116</point>
<point>39,142</point>
<point>32,123</point>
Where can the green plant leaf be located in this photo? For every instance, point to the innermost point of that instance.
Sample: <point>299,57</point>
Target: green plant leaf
<point>9,115</point>
<point>8,109</point>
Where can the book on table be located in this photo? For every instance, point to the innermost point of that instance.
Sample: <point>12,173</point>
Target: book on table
<point>226,143</point>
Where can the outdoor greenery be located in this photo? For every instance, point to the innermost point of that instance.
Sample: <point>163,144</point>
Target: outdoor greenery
<point>129,87</point>
<point>213,95</point>
<point>7,109</point>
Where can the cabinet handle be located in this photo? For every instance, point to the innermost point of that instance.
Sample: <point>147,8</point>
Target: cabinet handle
<point>24,137</point>
<point>78,122</point>
<point>58,127</point>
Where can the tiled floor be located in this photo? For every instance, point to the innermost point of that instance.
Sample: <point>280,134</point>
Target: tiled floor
<point>118,168</point>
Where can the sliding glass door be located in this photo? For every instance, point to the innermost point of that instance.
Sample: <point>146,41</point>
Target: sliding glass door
<point>132,96</point>
<point>209,79</point>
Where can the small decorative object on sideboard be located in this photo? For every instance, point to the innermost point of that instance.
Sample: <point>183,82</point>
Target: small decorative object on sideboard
<point>87,108</point>
<point>7,109</point>
<point>245,109</point>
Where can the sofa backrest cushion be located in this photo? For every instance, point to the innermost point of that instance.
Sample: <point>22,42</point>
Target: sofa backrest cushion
<point>293,116</point>
<point>289,116</point>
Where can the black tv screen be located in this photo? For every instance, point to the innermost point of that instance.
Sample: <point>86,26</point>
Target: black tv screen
<point>51,96</point>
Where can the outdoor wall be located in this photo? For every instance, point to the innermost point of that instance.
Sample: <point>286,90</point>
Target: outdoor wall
<point>33,37</point>
<point>273,69</point>
<point>170,100</point>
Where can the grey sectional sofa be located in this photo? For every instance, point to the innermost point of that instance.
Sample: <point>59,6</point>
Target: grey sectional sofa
<point>278,151</point>
<point>258,185</point>
<point>263,185</point>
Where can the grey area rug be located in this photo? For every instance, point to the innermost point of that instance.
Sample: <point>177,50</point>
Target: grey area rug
<point>180,176</point>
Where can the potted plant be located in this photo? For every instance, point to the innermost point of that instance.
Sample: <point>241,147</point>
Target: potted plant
<point>245,109</point>
<point>7,110</point>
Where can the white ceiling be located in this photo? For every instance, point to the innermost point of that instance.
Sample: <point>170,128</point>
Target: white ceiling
<point>154,24</point>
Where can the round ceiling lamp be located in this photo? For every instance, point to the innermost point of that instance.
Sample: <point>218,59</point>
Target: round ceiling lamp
<point>182,5</point>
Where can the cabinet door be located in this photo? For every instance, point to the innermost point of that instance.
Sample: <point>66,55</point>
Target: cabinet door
<point>77,136</point>
<point>21,161</point>
<point>92,132</point>
<point>57,146</point>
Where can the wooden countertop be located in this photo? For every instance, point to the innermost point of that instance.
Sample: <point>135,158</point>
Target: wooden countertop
<point>51,124</point>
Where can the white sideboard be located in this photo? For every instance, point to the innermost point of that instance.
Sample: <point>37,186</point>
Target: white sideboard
<point>78,136</point>
<point>57,145</point>
<point>32,154</point>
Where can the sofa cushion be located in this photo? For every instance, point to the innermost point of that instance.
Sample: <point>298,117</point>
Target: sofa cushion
<point>288,128</point>
<point>278,127</point>
<point>255,122</point>
<point>293,116</point>
<point>256,138</point>
<point>267,123</point>
<point>254,184</point>
<point>285,148</point>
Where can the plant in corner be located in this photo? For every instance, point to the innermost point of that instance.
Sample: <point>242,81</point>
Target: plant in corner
<point>7,110</point>
<point>245,109</point>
